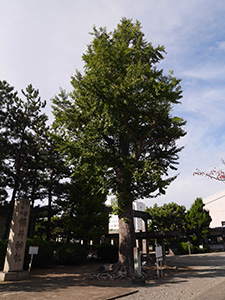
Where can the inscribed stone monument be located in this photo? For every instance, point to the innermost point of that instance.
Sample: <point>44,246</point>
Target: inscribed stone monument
<point>17,239</point>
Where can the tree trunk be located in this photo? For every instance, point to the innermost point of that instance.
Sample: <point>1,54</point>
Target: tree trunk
<point>32,223</point>
<point>126,239</point>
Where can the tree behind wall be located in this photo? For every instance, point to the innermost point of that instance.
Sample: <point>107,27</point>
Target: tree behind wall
<point>118,120</point>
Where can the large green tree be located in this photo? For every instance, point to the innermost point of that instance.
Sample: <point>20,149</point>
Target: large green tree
<point>22,124</point>
<point>118,119</point>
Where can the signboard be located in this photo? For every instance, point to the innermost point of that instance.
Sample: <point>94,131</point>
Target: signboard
<point>33,249</point>
<point>158,251</point>
<point>159,258</point>
<point>189,247</point>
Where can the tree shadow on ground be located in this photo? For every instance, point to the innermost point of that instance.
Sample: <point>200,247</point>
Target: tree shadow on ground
<point>63,278</point>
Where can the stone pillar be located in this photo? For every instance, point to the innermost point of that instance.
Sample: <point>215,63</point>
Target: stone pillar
<point>13,267</point>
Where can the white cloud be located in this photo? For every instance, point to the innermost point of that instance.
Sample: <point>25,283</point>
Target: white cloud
<point>221,45</point>
<point>207,71</point>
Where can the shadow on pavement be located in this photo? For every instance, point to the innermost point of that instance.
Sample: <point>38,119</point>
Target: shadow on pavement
<point>67,283</point>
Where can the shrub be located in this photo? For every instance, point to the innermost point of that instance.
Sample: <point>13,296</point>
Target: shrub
<point>205,249</point>
<point>107,253</point>
<point>3,247</point>
<point>44,256</point>
<point>183,248</point>
<point>72,254</point>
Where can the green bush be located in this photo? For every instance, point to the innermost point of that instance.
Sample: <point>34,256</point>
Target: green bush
<point>3,247</point>
<point>72,254</point>
<point>205,249</point>
<point>107,253</point>
<point>183,248</point>
<point>44,256</point>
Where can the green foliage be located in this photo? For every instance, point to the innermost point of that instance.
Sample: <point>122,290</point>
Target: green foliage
<point>7,99</point>
<point>22,127</point>
<point>173,217</point>
<point>27,125</point>
<point>107,253</point>
<point>198,221</point>
<point>169,217</point>
<point>83,214</point>
<point>183,248</point>
<point>72,254</point>
<point>29,164</point>
<point>44,256</point>
<point>3,247</point>
<point>118,121</point>
<point>118,118</point>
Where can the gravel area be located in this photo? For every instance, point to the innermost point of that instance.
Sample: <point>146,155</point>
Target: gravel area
<point>200,276</point>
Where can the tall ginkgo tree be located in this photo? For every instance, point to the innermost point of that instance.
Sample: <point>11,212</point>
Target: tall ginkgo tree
<point>119,121</point>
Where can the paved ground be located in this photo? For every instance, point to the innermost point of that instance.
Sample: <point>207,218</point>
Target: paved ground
<point>196,277</point>
<point>199,277</point>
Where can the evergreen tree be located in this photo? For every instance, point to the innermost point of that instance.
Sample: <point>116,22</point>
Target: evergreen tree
<point>7,99</point>
<point>83,211</point>
<point>22,127</point>
<point>198,221</point>
<point>55,186</point>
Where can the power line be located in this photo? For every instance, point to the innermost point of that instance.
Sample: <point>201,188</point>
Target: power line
<point>215,199</point>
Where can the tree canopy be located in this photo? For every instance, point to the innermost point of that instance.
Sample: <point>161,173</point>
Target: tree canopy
<point>169,217</point>
<point>32,168</point>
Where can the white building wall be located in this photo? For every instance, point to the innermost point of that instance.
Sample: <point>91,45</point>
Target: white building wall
<point>137,221</point>
<point>216,206</point>
<point>114,220</point>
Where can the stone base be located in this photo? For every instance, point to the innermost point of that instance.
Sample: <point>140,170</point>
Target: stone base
<point>14,276</point>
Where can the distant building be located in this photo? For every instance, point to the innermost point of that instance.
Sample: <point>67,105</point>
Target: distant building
<point>137,221</point>
<point>114,220</point>
<point>215,204</point>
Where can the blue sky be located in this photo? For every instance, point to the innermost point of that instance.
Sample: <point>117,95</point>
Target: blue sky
<point>42,43</point>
